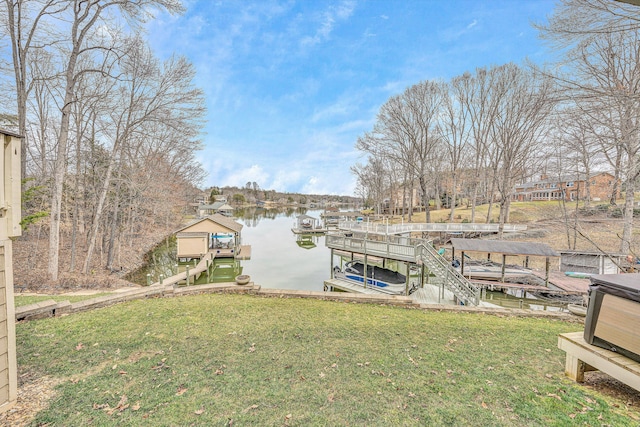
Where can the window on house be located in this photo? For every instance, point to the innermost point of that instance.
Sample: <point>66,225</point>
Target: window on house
<point>570,184</point>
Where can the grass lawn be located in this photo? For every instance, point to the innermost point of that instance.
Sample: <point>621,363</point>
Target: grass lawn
<point>218,360</point>
<point>22,300</point>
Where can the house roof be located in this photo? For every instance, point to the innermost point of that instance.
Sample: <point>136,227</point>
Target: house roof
<point>10,133</point>
<point>225,207</point>
<point>503,247</point>
<point>218,219</point>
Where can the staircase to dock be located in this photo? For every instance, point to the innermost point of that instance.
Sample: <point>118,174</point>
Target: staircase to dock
<point>447,276</point>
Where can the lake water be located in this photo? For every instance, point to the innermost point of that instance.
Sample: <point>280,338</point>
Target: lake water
<point>277,259</point>
<point>281,259</point>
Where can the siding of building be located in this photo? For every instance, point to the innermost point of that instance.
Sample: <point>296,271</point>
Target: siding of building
<point>10,211</point>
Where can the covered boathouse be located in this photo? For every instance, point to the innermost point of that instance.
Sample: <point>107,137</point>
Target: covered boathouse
<point>214,233</point>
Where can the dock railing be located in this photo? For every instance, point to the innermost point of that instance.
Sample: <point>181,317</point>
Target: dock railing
<point>385,249</point>
<point>465,291</point>
<point>433,227</point>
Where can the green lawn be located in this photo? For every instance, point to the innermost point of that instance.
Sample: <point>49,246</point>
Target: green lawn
<point>217,360</point>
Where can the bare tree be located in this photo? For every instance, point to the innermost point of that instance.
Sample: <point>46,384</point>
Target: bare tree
<point>602,54</point>
<point>520,126</point>
<point>482,105</point>
<point>405,132</point>
<point>84,17</point>
<point>455,131</point>
<point>148,93</point>
<point>577,21</point>
<point>23,22</point>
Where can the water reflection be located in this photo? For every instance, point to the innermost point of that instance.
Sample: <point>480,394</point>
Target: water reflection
<point>252,216</point>
<point>281,259</point>
<point>307,241</point>
<point>162,260</point>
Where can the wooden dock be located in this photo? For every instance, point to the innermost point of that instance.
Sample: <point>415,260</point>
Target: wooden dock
<point>582,357</point>
<point>502,286</point>
<point>349,286</point>
<point>244,252</point>
<point>566,283</point>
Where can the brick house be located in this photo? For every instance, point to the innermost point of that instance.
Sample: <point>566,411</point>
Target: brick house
<point>570,188</point>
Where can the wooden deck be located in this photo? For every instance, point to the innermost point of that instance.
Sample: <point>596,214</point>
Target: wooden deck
<point>568,284</point>
<point>502,286</point>
<point>583,357</point>
<point>244,252</point>
<point>348,286</point>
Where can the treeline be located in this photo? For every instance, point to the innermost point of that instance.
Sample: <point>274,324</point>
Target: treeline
<point>109,130</point>
<point>251,193</point>
<point>479,134</point>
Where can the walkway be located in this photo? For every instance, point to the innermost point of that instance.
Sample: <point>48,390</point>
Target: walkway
<point>431,227</point>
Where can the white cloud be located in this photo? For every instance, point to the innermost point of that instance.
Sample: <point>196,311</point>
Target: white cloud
<point>240,176</point>
<point>330,17</point>
<point>473,24</point>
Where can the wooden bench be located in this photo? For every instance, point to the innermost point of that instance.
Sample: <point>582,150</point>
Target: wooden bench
<point>582,357</point>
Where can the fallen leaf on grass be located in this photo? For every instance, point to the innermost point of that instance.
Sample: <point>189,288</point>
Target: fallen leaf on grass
<point>219,371</point>
<point>122,372</point>
<point>136,406</point>
<point>554,395</point>
<point>572,416</point>
<point>80,346</point>
<point>181,390</point>
<point>123,402</point>
<point>245,410</point>
<point>199,411</point>
<point>330,397</point>
<point>252,348</point>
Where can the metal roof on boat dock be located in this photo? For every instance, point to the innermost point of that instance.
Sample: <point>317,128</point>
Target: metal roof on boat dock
<point>503,247</point>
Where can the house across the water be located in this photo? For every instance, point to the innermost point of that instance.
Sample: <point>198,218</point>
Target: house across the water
<point>217,234</point>
<point>219,207</point>
<point>598,186</point>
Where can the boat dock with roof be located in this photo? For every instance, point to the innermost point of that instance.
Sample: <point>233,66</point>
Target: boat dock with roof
<point>438,281</point>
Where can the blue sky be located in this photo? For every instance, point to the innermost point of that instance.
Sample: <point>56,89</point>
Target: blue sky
<point>290,85</point>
